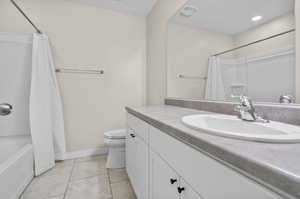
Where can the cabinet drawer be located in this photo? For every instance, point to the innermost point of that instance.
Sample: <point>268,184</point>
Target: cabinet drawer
<point>210,178</point>
<point>139,127</point>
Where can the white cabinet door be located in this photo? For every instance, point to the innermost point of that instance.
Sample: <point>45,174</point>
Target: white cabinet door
<point>163,180</point>
<point>142,169</point>
<point>140,127</point>
<point>131,158</point>
<point>137,163</point>
<point>210,178</point>
<point>187,191</point>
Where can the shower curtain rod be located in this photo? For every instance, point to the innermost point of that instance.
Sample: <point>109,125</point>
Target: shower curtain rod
<point>260,40</point>
<point>26,17</point>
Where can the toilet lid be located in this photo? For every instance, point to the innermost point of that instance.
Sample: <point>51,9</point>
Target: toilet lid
<point>116,134</point>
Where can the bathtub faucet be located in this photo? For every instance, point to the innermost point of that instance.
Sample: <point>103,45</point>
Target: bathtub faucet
<point>5,109</point>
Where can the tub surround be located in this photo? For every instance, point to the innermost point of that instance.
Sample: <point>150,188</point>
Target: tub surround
<point>273,165</point>
<point>16,165</point>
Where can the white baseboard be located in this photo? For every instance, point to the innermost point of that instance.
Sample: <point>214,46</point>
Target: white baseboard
<point>85,153</point>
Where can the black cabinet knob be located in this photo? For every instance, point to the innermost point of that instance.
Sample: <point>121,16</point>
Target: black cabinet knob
<point>132,135</point>
<point>180,189</point>
<point>172,180</point>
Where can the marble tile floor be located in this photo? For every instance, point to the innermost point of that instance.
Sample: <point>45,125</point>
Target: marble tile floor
<point>84,178</point>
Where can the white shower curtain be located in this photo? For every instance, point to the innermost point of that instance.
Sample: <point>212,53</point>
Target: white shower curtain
<point>46,116</point>
<point>214,87</point>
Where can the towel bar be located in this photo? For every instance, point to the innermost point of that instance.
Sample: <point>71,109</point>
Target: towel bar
<point>84,71</point>
<point>191,77</point>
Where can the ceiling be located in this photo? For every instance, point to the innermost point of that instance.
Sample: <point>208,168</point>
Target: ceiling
<point>233,16</point>
<point>134,7</point>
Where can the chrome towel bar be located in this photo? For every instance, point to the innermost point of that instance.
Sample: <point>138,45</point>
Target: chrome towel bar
<point>83,71</point>
<point>191,77</point>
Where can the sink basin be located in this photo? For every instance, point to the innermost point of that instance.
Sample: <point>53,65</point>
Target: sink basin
<point>233,127</point>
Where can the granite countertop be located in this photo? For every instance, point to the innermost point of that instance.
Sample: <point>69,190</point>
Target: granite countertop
<point>276,166</point>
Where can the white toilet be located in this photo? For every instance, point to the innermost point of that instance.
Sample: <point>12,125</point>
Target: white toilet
<point>115,141</point>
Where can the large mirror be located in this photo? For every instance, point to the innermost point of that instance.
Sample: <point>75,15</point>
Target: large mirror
<point>219,49</point>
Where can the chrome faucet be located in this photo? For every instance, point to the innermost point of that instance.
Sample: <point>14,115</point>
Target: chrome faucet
<point>286,99</point>
<point>5,109</point>
<point>247,111</point>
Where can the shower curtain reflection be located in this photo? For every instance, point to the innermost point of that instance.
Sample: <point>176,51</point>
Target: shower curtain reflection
<point>215,89</point>
<point>247,76</point>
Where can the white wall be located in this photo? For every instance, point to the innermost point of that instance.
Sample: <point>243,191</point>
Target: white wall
<point>156,48</point>
<point>297,13</point>
<point>278,25</point>
<point>188,52</point>
<point>84,36</point>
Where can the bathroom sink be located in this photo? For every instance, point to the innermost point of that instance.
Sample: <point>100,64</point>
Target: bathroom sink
<point>233,127</point>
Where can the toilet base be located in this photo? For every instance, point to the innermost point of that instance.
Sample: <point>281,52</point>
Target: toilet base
<point>116,158</point>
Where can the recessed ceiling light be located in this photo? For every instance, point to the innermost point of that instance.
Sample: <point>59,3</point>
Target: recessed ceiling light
<point>188,11</point>
<point>256,18</point>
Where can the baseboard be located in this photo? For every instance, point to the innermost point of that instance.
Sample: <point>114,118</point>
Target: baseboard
<point>85,153</point>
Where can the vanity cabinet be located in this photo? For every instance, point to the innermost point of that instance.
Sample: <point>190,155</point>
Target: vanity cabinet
<point>137,156</point>
<point>131,157</point>
<point>162,167</point>
<point>188,192</point>
<point>163,180</point>
<point>165,183</point>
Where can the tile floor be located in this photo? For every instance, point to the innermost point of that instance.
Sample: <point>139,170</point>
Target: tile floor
<point>84,178</point>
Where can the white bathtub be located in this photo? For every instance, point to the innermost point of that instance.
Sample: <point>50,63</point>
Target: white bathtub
<point>16,165</point>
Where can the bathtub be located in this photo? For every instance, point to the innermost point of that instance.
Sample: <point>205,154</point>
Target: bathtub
<point>16,165</point>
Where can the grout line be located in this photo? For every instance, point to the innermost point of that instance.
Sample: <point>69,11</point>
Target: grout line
<point>109,184</point>
<point>97,175</point>
<point>69,180</point>
<point>90,158</point>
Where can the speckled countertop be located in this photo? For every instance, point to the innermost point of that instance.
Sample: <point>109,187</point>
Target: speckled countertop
<point>274,165</point>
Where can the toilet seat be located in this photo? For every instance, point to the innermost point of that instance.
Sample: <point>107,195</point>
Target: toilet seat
<point>116,134</point>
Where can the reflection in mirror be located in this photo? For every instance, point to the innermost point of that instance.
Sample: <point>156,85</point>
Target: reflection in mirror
<point>217,49</point>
